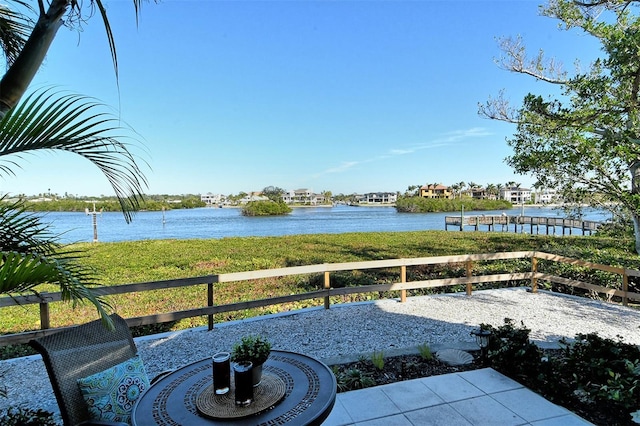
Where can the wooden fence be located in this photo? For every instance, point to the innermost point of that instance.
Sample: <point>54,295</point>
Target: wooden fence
<point>533,276</point>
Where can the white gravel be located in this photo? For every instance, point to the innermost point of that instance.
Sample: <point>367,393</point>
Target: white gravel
<point>344,332</point>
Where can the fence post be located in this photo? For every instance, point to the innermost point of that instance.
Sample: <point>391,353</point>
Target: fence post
<point>534,270</point>
<point>210,303</point>
<point>327,286</point>
<point>45,322</point>
<point>625,288</point>
<point>469,266</point>
<point>403,279</point>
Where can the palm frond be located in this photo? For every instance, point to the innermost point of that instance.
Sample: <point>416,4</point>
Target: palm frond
<point>21,273</point>
<point>15,28</point>
<point>22,231</point>
<point>50,120</point>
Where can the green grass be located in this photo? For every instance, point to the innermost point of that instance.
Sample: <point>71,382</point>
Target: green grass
<point>152,260</point>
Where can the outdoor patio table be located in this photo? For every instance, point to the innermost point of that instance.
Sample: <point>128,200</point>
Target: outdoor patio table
<point>309,394</point>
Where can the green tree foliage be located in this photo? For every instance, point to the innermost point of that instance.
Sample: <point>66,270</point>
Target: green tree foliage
<point>265,208</point>
<point>584,138</point>
<point>430,205</point>
<point>273,193</point>
<point>110,204</point>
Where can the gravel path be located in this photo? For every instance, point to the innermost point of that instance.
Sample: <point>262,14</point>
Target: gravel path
<point>344,332</point>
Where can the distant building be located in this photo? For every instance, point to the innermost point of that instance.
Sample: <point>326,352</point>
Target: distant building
<point>478,193</point>
<point>435,191</point>
<point>379,198</point>
<point>212,199</point>
<point>547,196</point>
<point>303,196</point>
<point>516,195</point>
<point>254,196</point>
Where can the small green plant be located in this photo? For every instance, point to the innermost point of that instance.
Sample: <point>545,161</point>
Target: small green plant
<point>425,352</point>
<point>19,416</point>
<point>377,358</point>
<point>354,379</point>
<point>251,348</point>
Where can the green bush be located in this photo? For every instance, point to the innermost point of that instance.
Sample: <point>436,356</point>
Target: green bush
<point>511,352</point>
<point>603,371</point>
<point>592,371</point>
<point>265,208</point>
<point>430,205</point>
<point>18,416</point>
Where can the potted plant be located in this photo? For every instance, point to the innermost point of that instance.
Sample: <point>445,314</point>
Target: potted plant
<point>255,349</point>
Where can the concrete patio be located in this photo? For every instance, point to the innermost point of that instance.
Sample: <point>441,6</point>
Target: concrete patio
<point>477,397</point>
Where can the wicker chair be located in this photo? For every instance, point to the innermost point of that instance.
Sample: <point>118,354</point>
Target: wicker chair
<point>79,352</point>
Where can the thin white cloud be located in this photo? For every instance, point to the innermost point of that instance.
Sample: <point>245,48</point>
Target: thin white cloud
<point>447,139</point>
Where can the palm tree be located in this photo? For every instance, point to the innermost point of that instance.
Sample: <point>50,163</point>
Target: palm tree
<point>49,120</point>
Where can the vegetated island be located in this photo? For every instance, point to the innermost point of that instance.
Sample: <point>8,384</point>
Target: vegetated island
<point>266,208</point>
<point>438,205</point>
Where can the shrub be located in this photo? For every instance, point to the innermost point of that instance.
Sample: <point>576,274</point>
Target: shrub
<point>597,372</point>
<point>265,208</point>
<point>604,372</point>
<point>18,416</point>
<point>511,352</point>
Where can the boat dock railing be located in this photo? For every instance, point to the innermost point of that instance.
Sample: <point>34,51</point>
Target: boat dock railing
<point>503,223</point>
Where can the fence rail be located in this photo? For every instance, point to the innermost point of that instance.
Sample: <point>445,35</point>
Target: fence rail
<point>533,276</point>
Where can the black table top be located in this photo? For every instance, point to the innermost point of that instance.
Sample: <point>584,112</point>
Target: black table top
<point>309,396</point>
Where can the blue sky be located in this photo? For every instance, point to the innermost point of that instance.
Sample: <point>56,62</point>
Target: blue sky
<point>344,96</point>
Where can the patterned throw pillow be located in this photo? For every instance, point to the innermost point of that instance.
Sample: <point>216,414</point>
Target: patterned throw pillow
<point>111,394</point>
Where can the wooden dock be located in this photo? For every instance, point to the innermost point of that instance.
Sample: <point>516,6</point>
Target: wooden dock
<point>519,223</point>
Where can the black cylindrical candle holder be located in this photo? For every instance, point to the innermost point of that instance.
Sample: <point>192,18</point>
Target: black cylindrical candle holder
<point>244,382</point>
<point>221,373</point>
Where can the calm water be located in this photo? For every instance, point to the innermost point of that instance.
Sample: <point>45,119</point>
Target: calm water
<point>220,223</point>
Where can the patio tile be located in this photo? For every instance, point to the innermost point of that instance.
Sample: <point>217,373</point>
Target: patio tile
<point>437,416</point>
<point>339,415</point>
<point>487,411</point>
<point>451,387</point>
<point>568,420</point>
<point>367,404</point>
<point>396,420</point>
<point>529,405</point>
<point>489,380</point>
<point>411,395</point>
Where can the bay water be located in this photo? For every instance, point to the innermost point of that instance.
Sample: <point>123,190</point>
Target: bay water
<point>217,223</point>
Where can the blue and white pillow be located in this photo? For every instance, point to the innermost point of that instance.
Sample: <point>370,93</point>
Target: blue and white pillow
<point>111,394</point>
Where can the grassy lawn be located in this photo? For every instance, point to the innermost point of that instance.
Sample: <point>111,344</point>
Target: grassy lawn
<point>152,260</point>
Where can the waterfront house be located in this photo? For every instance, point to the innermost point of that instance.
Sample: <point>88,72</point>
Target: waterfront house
<point>516,195</point>
<point>379,198</point>
<point>436,191</point>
